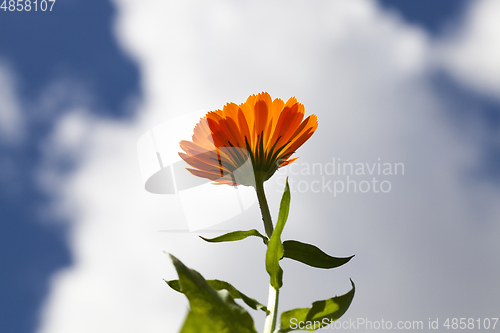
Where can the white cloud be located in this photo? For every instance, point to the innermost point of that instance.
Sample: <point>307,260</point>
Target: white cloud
<point>471,52</point>
<point>11,120</point>
<point>363,72</point>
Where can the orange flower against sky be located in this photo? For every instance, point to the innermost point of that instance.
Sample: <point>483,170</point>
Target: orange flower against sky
<point>262,131</point>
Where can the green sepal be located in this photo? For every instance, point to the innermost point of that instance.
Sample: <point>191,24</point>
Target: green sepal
<point>211,311</point>
<point>223,285</point>
<point>236,236</point>
<point>275,247</point>
<point>311,255</point>
<point>321,314</point>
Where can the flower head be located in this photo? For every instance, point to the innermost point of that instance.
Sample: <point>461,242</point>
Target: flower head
<point>241,144</point>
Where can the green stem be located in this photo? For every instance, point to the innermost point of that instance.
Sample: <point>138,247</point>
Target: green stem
<point>272,306</point>
<point>264,208</point>
<point>272,301</point>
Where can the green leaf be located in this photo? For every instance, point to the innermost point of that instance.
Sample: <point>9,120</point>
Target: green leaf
<point>197,323</point>
<point>235,236</point>
<point>211,311</point>
<point>275,248</point>
<point>311,255</point>
<point>321,314</point>
<point>220,285</point>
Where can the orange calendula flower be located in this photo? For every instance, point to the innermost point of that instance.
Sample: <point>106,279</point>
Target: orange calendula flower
<point>247,143</point>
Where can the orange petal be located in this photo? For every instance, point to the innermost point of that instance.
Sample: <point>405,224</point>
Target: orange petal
<point>261,113</point>
<point>245,130</point>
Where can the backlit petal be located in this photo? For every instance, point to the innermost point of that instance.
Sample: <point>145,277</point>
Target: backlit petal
<point>271,129</point>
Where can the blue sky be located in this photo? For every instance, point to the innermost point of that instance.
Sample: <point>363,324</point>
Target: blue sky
<point>76,42</point>
<point>77,50</point>
<point>433,15</point>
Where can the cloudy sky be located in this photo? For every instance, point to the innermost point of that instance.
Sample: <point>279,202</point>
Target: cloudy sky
<point>412,83</point>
